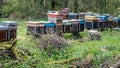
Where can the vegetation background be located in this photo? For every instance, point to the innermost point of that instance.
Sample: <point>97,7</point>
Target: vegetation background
<point>25,9</point>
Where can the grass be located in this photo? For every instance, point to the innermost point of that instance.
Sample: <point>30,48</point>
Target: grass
<point>38,57</point>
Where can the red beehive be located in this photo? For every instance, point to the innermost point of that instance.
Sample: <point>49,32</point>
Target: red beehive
<point>3,33</point>
<point>54,17</point>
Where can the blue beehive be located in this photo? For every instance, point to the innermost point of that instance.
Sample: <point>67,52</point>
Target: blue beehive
<point>116,20</point>
<point>49,27</point>
<point>103,18</point>
<point>81,25</point>
<point>72,15</point>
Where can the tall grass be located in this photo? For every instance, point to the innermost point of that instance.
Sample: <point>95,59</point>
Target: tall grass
<point>38,57</point>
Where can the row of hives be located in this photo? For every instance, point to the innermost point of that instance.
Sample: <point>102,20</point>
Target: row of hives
<point>65,22</point>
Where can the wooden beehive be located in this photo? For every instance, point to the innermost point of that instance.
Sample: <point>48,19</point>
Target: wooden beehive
<point>32,27</point>
<point>3,33</point>
<point>91,18</point>
<point>55,17</point>
<point>49,27</point>
<point>65,10</point>
<point>81,16</point>
<point>81,25</point>
<point>74,25</point>
<point>12,29</point>
<point>66,26</point>
<point>72,16</point>
<point>59,28</point>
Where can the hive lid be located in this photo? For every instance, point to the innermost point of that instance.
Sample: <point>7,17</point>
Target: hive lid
<point>7,23</point>
<point>3,27</point>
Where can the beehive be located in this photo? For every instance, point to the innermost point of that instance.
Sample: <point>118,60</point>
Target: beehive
<point>35,27</point>
<point>101,21</point>
<point>116,21</point>
<point>55,17</point>
<point>65,10</point>
<point>66,26</point>
<point>81,25</point>
<point>74,25</point>
<point>81,16</point>
<point>49,27</point>
<point>91,22</point>
<point>59,29</point>
<point>91,18</point>
<point>12,28</point>
<point>3,33</point>
<point>72,16</point>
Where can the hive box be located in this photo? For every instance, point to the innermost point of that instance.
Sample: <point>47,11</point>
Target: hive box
<point>115,19</point>
<point>35,27</point>
<point>81,16</point>
<point>12,28</point>
<point>59,29</point>
<point>49,27</point>
<point>72,16</point>
<point>74,25</point>
<point>91,22</point>
<point>55,17</point>
<point>65,10</point>
<point>81,25</point>
<point>66,26</point>
<point>91,18</point>
<point>3,33</point>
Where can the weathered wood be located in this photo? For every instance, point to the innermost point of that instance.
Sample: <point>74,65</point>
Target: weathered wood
<point>94,35</point>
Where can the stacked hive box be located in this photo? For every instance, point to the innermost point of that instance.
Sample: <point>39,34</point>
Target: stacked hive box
<point>116,21</point>
<point>3,33</point>
<point>81,25</point>
<point>72,16</point>
<point>12,29</point>
<point>65,12</point>
<point>109,22</point>
<point>66,26</point>
<point>81,16</point>
<point>101,21</point>
<point>55,17</point>
<point>74,25</point>
<point>91,22</point>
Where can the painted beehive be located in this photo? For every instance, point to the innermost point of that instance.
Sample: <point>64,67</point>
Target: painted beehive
<point>59,29</point>
<point>91,18</point>
<point>116,21</point>
<point>66,26</point>
<point>12,28</point>
<point>49,27</point>
<point>72,16</point>
<point>65,15</point>
<point>32,27</point>
<point>81,16</point>
<point>3,33</point>
<point>65,10</point>
<point>102,21</point>
<point>74,25</point>
<point>54,17</point>
<point>81,25</point>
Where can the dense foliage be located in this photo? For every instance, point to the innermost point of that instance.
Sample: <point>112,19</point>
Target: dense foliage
<point>37,8</point>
